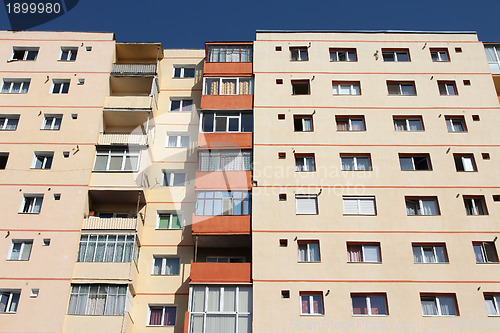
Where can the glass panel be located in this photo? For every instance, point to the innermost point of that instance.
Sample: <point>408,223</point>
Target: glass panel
<point>244,324</point>
<point>406,163</point>
<point>175,106</point>
<point>347,163</point>
<point>363,163</point>
<point>377,305</point>
<point>417,254</point>
<point>429,307</point>
<point>440,254</point>
<point>359,306</point>
<point>198,304</point>
<point>407,89</point>
<point>213,299</point>
<point>245,299</point>
<point>221,323</point>
<point>415,125</point>
<point>229,299</point>
<point>207,124</point>
<point>447,305</point>
<point>371,253</point>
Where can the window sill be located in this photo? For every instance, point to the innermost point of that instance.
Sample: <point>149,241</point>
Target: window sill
<point>440,316</point>
<point>168,229</point>
<point>17,259</point>
<point>115,171</point>
<point>313,314</point>
<point>364,262</point>
<point>431,263</point>
<point>28,213</point>
<point>309,262</point>
<point>487,263</point>
<point>367,315</point>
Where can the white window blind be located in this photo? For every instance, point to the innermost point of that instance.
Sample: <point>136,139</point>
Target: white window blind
<point>307,204</point>
<point>359,205</point>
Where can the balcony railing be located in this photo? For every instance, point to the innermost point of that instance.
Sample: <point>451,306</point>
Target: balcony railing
<point>122,139</point>
<point>133,70</point>
<point>112,223</point>
<point>204,272</point>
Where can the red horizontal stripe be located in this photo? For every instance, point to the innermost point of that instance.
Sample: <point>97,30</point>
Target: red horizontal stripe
<point>371,41</point>
<point>458,108</point>
<point>378,186</point>
<point>377,281</point>
<point>36,279</point>
<point>162,294</point>
<point>166,245</point>
<point>376,232</point>
<point>375,73</point>
<point>364,145</point>
<point>41,230</point>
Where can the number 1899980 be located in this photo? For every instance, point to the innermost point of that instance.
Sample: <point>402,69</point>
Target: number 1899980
<point>33,8</point>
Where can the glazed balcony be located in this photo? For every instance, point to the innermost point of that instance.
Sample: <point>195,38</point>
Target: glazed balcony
<point>111,223</point>
<point>204,272</point>
<point>225,140</point>
<point>221,225</point>
<point>122,69</point>
<point>228,59</point>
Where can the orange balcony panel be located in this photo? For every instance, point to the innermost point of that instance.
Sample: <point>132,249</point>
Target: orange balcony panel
<point>225,140</point>
<point>207,272</point>
<point>227,102</point>
<point>186,322</point>
<point>227,68</point>
<point>223,180</point>
<point>221,225</point>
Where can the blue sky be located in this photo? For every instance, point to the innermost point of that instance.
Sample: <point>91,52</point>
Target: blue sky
<point>188,24</point>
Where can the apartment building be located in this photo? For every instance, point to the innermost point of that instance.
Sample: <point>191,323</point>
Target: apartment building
<point>376,193</point>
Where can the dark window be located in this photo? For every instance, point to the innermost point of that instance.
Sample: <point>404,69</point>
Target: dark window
<point>3,160</point>
<point>300,87</point>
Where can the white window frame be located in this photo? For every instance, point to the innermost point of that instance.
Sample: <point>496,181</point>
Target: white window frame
<point>90,308</point>
<point>400,86</point>
<point>47,157</point>
<point>67,53</point>
<point>473,203</point>
<point>181,104</point>
<point>437,302</point>
<point>349,123</point>
<point>495,301</point>
<point>412,158</point>
<point>169,213</point>
<point>34,202</point>
<point>354,88</point>
<point>60,86</point>
<point>50,122</point>
<point>224,160</point>
<point>452,124</point>
<point>421,205</point>
<point>407,126</point>
<point>363,250</point>
<point>449,87</point>
<point>26,50</point>
<point>163,259</point>
<point>6,118</point>
<point>23,88</point>
<point>223,203</point>
<point>163,306</point>
<point>178,140</point>
<point>471,162</point>
<point>124,153</point>
<point>311,302</point>
<point>305,165</point>
<point>104,240</point>
<point>368,305</point>
<point>299,197</point>
<point>300,53</point>
<point>355,160</point>
<point>182,74</point>
<point>226,260</point>
<point>484,254</point>
<point>303,119</point>
<point>394,55</point>
<point>24,250</point>
<point>437,55</point>
<point>348,52</point>
<point>237,90</point>
<point>359,203</point>
<point>237,115</point>
<point>420,248</point>
<point>10,295</point>
<point>171,175</point>
<point>308,251</point>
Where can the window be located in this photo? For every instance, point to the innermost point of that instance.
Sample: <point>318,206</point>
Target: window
<point>475,205</point>
<point>9,299</point>
<point>98,299</point>
<point>311,303</point>
<point>465,162</point>
<point>15,86</point>
<point>396,55</point>
<point>184,71</point>
<point>4,157</point>
<point>60,86</point>
<point>355,162</point>
<point>225,160</point>
<point>24,53</point>
<point>492,304</point>
<point>415,162</point>
<point>52,122</point>
<point>485,252</point>
<point>20,249</point>
<point>215,203</point>
<point>181,105</point>
<point>229,53</point>
<point>421,206</point>
<point>166,266</point>
<point>177,140</point>
<point>228,86</point>
<point>42,160</point>
<point>32,204</point>
<point>411,124</point>
<point>304,162</point>
<point>300,87</point>
<point>174,179</point>
<point>406,88</point>
<point>106,248</point>
<point>224,122</point>
<point>455,124</point>
<point>429,253</point>
<point>441,305</point>
<point>350,123</point>
<point>306,204</point>
<point>447,88</point>
<point>116,159</point>
<point>308,251</point>
<point>359,205</point>
<point>346,88</point>
<point>168,220</point>
<point>298,54</point>
<point>162,315</point>
<point>303,123</point>
<point>226,308</point>
<point>68,53</point>
<point>369,252</point>
<point>226,260</point>
<point>343,55</point>
<point>369,305</point>
<point>8,122</point>
<point>440,54</point>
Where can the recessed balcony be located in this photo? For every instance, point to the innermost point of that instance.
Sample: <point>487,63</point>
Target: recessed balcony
<point>122,139</point>
<point>109,223</point>
<point>131,69</point>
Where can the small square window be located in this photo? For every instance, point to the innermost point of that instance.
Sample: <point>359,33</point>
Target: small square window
<point>46,242</point>
<point>74,116</point>
<point>496,197</point>
<point>466,82</point>
<point>57,196</point>
<point>285,294</point>
<point>298,54</point>
<point>34,292</point>
<point>281,116</point>
<point>283,242</point>
<point>88,48</point>
<point>300,87</point>
<point>281,156</point>
<point>65,154</point>
<point>278,48</point>
<point>475,117</point>
<point>279,81</point>
<point>485,156</point>
<point>80,81</point>
<point>458,49</point>
<point>282,196</point>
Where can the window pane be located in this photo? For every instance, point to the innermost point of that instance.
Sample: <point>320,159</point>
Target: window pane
<point>406,163</point>
<point>377,305</point>
<point>447,305</point>
<point>415,125</point>
<point>347,163</point>
<point>363,163</point>
<point>371,253</point>
<point>175,106</point>
<point>429,307</point>
<point>359,306</point>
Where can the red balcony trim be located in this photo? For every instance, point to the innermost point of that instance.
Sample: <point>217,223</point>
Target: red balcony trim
<point>221,225</point>
<point>204,272</point>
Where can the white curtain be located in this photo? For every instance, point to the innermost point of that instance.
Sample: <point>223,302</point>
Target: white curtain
<point>429,207</point>
<point>198,303</point>
<point>307,124</point>
<point>229,299</point>
<point>302,252</point>
<point>313,252</point>
<point>221,323</point>
<point>245,299</point>
<point>429,307</point>
<point>213,298</point>
<point>447,306</point>
<point>417,254</point>
<point>347,163</point>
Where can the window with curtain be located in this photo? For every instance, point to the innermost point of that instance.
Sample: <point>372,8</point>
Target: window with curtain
<point>308,251</point>
<point>225,160</point>
<point>229,53</point>
<point>442,305</point>
<point>348,124</point>
<point>355,163</point>
<point>215,203</point>
<point>447,88</point>
<point>357,252</point>
<point>485,252</point>
<point>169,220</point>
<point>9,300</point>
<point>311,303</point>
<point>475,205</point>
<point>455,124</point>
<point>492,304</point>
<point>20,249</point>
<point>162,315</point>
<point>429,253</point>
<point>229,86</point>
<point>98,299</point>
<point>106,248</point>
<point>221,309</point>
<point>369,305</point>
<point>422,206</point>
<point>346,88</point>
<point>304,162</point>
<point>359,205</point>
<point>410,124</point>
<point>32,204</point>
<point>166,265</point>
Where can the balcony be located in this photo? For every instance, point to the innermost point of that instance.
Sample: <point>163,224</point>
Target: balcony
<point>112,223</point>
<point>133,69</point>
<point>221,225</point>
<point>223,180</point>
<point>122,139</point>
<point>128,103</point>
<point>227,68</point>
<point>227,102</point>
<point>203,272</point>
<point>224,140</point>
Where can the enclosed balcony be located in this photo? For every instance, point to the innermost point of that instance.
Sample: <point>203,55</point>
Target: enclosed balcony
<point>228,58</point>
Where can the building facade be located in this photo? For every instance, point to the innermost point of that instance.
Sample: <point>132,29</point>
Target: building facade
<point>306,181</point>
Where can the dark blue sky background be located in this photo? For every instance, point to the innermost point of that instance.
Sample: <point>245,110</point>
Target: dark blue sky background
<point>188,24</point>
